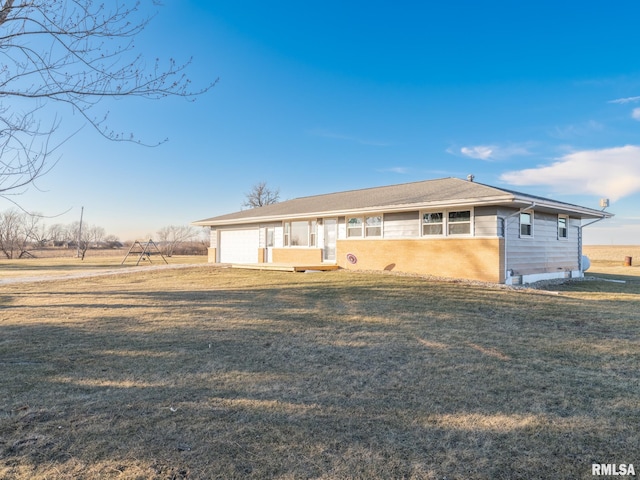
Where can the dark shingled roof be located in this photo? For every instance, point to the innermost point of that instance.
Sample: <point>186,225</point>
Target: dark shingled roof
<point>439,191</point>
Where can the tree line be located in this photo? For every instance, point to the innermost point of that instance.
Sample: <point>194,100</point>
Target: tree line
<point>22,233</point>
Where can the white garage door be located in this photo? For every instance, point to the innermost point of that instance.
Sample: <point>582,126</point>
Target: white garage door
<point>239,246</point>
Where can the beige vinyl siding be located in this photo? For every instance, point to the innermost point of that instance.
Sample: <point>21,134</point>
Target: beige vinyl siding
<point>342,228</point>
<point>213,238</point>
<point>401,225</point>
<point>263,238</point>
<point>486,221</point>
<point>543,251</point>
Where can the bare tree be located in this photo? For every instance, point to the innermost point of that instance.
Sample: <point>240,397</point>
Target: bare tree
<point>71,53</point>
<point>261,195</point>
<point>18,233</point>
<point>171,237</point>
<point>112,241</point>
<point>57,233</point>
<point>96,235</point>
<point>9,232</point>
<point>35,230</point>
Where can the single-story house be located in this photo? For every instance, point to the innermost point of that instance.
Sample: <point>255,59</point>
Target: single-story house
<point>445,227</point>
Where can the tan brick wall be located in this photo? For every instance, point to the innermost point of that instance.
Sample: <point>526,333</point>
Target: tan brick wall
<point>212,257</point>
<point>261,255</point>
<point>301,256</point>
<point>471,258</point>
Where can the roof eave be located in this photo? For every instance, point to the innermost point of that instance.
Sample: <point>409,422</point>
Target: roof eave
<point>582,212</point>
<point>498,200</point>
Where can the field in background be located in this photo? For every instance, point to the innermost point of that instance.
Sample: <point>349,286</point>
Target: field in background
<point>66,265</point>
<point>611,254</point>
<point>608,261</point>
<point>219,373</point>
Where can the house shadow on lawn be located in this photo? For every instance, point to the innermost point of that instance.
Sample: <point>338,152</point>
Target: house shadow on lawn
<point>306,376</point>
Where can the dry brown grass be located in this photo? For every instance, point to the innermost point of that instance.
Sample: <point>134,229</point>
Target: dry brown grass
<point>217,373</point>
<point>65,266</point>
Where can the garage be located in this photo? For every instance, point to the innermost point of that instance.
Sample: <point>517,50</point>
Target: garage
<point>239,246</point>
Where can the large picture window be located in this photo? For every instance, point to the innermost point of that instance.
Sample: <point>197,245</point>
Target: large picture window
<point>300,233</point>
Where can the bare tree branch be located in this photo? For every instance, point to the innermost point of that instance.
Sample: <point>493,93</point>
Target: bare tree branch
<point>261,195</point>
<point>73,53</point>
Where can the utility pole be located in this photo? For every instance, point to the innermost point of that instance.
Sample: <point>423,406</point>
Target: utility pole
<point>79,232</point>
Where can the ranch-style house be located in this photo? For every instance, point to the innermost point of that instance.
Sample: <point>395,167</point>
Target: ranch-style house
<point>445,227</point>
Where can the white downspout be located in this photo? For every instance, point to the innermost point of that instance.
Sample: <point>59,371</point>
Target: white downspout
<point>580,227</point>
<point>505,233</point>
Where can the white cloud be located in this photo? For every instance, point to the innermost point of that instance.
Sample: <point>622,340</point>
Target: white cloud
<point>635,114</point>
<point>622,101</point>
<point>610,172</point>
<point>482,152</point>
<point>493,152</point>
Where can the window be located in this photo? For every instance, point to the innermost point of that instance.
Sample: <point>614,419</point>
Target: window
<point>313,229</point>
<point>432,223</point>
<point>269,234</point>
<point>300,233</point>
<point>354,227</point>
<point>446,223</point>
<point>526,225</point>
<point>563,231</point>
<point>373,226</point>
<point>460,223</point>
<point>367,226</point>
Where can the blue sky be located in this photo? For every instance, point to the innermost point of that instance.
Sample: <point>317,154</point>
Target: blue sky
<point>541,97</point>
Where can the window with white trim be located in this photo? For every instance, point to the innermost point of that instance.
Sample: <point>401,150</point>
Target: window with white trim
<point>354,227</point>
<point>300,233</point>
<point>433,223</point>
<point>526,224</point>
<point>447,223</point>
<point>364,226</point>
<point>459,223</point>
<point>563,229</point>
<point>373,226</point>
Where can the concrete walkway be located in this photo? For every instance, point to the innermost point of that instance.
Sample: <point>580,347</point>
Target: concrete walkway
<point>97,273</point>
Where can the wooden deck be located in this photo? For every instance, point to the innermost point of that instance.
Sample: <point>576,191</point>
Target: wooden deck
<point>286,267</point>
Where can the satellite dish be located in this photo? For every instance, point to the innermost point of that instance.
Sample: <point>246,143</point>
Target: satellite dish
<point>586,263</point>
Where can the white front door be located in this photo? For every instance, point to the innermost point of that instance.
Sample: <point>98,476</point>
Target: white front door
<point>330,236</point>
